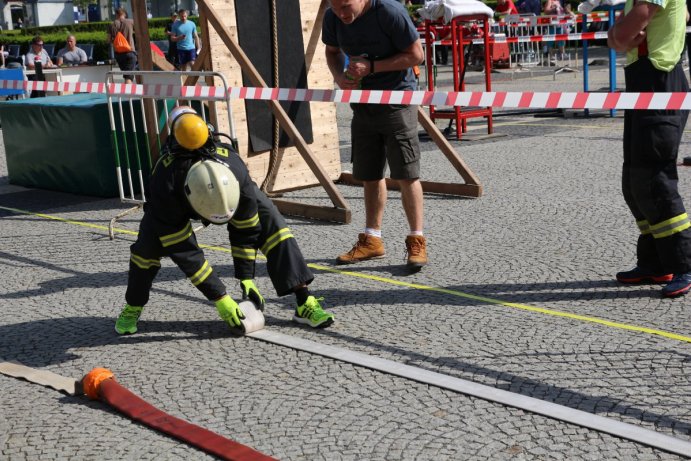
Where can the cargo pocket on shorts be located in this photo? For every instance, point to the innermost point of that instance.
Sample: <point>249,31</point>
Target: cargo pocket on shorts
<point>405,145</point>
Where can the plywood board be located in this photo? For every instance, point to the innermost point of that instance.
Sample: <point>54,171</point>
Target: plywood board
<point>294,172</point>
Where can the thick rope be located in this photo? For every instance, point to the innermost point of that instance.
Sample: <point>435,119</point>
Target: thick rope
<point>276,152</point>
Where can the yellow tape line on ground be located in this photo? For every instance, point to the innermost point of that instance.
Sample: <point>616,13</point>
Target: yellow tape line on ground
<point>524,307</point>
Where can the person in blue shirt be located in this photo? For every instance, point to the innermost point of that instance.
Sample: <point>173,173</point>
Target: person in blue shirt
<point>184,34</point>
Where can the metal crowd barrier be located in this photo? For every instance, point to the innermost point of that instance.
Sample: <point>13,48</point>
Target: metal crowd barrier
<point>531,54</point>
<point>136,143</point>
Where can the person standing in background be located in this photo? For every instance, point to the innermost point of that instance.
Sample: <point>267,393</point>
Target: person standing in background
<point>185,36</point>
<point>127,60</point>
<point>172,46</point>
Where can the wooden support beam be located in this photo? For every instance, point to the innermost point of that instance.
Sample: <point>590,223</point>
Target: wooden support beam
<point>472,186</point>
<point>463,190</point>
<point>141,30</point>
<point>207,64</point>
<point>335,214</point>
<point>447,149</point>
<point>315,36</point>
<point>161,62</point>
<point>143,47</point>
<point>199,64</point>
<point>286,123</point>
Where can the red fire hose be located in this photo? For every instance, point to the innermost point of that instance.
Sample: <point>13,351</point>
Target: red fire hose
<point>100,384</point>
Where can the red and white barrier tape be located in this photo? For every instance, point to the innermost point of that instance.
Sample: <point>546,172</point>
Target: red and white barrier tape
<point>530,100</point>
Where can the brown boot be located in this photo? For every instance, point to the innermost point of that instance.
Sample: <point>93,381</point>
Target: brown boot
<point>367,247</point>
<point>416,247</point>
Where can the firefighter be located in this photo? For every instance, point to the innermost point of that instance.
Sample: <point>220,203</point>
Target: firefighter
<point>199,177</point>
<point>651,32</point>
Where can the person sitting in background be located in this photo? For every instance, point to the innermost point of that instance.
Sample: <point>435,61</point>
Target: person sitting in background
<point>71,55</point>
<point>37,54</point>
<point>529,6</point>
<point>505,7</point>
<point>554,8</point>
<point>442,51</point>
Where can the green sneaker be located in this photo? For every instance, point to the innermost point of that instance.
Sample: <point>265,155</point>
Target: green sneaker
<point>127,322</point>
<point>312,314</point>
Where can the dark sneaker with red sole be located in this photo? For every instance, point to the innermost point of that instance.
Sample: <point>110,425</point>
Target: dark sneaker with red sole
<point>638,275</point>
<point>680,285</point>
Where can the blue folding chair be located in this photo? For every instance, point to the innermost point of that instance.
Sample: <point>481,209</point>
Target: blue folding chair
<point>89,50</point>
<point>50,49</point>
<point>12,75</point>
<point>13,51</point>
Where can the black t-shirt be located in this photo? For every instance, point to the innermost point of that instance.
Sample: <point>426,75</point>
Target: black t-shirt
<point>169,28</point>
<point>382,31</point>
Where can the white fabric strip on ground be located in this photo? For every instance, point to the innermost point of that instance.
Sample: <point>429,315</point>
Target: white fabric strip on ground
<point>533,405</point>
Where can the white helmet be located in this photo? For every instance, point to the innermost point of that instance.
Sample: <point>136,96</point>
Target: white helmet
<point>189,129</point>
<point>212,191</point>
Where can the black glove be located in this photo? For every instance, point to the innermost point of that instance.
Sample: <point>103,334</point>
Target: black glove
<point>251,292</point>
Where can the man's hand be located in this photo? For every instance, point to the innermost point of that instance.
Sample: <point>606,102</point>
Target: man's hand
<point>251,292</point>
<point>229,311</point>
<point>345,81</point>
<point>623,47</point>
<point>335,60</point>
<point>359,67</point>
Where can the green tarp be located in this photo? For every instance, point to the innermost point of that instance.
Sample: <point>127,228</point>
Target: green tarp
<point>64,143</point>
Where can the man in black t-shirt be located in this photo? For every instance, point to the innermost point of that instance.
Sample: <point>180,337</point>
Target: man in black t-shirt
<point>172,55</point>
<point>382,45</point>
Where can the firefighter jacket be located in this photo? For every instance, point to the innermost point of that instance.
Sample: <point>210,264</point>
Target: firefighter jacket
<point>166,229</point>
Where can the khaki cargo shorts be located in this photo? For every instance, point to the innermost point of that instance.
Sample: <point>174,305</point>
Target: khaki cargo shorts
<point>381,134</point>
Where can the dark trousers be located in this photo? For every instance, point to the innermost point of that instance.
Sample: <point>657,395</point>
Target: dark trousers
<point>284,261</point>
<point>649,179</point>
<point>127,61</point>
<point>146,254</point>
<point>172,55</point>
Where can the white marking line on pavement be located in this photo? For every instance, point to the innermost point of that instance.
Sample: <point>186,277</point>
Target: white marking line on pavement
<point>552,410</point>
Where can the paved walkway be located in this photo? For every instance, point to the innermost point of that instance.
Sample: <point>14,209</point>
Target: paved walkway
<point>518,295</point>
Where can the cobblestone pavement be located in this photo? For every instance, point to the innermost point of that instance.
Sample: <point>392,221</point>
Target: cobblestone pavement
<point>549,232</point>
